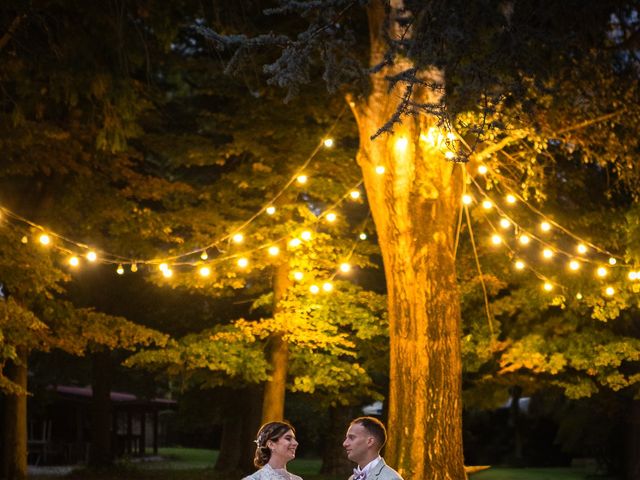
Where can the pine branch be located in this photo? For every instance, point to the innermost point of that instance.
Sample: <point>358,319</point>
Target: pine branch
<point>11,30</point>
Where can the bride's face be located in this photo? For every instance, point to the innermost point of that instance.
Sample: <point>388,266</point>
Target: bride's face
<point>284,449</point>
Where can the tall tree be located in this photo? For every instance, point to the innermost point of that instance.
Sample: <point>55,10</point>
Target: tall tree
<point>449,65</point>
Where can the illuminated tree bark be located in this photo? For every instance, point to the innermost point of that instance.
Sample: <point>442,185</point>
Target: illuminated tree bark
<point>274,392</point>
<point>14,437</point>
<point>415,205</point>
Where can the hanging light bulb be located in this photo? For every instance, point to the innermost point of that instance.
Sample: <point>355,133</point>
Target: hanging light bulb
<point>273,250</point>
<point>574,265</point>
<point>579,296</point>
<point>582,248</point>
<point>504,223</point>
<point>167,272</point>
<point>298,275</point>
<point>345,267</point>
<point>44,239</point>
<point>355,194</point>
<point>496,239</point>
<point>74,261</point>
<point>238,238</point>
<point>433,137</point>
<point>547,253</point>
<point>602,272</point>
<point>331,217</point>
<point>524,239</point>
<point>294,242</point>
<point>380,169</point>
<point>610,291</point>
<point>134,267</point>
<point>519,265</point>
<point>243,262</point>
<point>204,255</point>
<point>482,169</point>
<point>314,289</point>
<point>163,267</point>
<point>545,226</point>
<point>511,199</point>
<point>302,179</point>
<point>487,204</point>
<point>24,239</point>
<point>632,275</point>
<point>92,256</point>
<point>612,261</point>
<point>449,155</point>
<point>401,144</point>
<point>328,142</point>
<point>306,235</point>
<point>120,270</point>
<point>204,271</point>
<point>467,199</point>
<point>547,286</point>
<point>362,236</point>
<point>270,210</point>
<point>327,286</point>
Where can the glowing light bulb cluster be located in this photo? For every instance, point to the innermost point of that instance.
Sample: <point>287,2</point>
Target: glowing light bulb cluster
<point>301,177</point>
<point>524,238</point>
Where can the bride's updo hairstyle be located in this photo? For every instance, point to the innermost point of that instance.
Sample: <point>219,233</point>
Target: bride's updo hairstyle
<point>269,431</point>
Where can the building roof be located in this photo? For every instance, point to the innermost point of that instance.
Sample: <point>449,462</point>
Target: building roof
<point>116,397</point>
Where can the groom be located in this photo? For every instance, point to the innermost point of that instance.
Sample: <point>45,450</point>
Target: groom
<point>365,438</point>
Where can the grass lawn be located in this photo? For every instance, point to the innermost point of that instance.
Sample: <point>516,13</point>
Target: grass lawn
<point>197,464</point>
<point>530,474</point>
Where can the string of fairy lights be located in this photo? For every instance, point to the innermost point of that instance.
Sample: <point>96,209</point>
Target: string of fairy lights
<point>498,213</point>
<point>77,252</point>
<point>507,231</point>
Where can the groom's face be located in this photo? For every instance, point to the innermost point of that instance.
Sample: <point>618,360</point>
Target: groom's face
<point>357,443</point>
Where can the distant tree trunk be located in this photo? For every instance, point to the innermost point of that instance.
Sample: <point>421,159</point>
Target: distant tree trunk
<point>632,453</point>
<point>14,434</point>
<point>100,449</point>
<point>2,430</point>
<point>515,421</point>
<point>334,459</point>
<point>240,424</point>
<point>274,391</point>
<point>415,204</point>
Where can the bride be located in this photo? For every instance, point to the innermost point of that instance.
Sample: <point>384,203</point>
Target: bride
<point>275,447</point>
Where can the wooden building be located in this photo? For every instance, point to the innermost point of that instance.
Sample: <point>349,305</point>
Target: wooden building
<point>60,431</point>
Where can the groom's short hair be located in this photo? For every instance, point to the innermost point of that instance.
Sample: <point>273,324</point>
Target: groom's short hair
<point>375,427</point>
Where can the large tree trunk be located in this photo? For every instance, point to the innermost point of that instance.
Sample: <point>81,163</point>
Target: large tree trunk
<point>515,424</point>
<point>334,459</point>
<point>274,391</point>
<point>242,420</point>
<point>415,204</point>
<point>100,449</point>
<point>14,434</point>
<point>632,443</point>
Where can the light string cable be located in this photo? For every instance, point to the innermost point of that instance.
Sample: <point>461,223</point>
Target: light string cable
<point>541,240</point>
<point>352,250</point>
<point>514,255</point>
<point>554,223</point>
<point>503,185</point>
<point>111,258</point>
<point>264,207</point>
<point>266,245</point>
<point>487,307</point>
<point>549,283</point>
<point>106,257</point>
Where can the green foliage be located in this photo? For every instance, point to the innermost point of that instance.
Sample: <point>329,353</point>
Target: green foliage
<point>331,340</point>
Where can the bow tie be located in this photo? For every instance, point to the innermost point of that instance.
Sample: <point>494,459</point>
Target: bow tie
<point>359,474</point>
